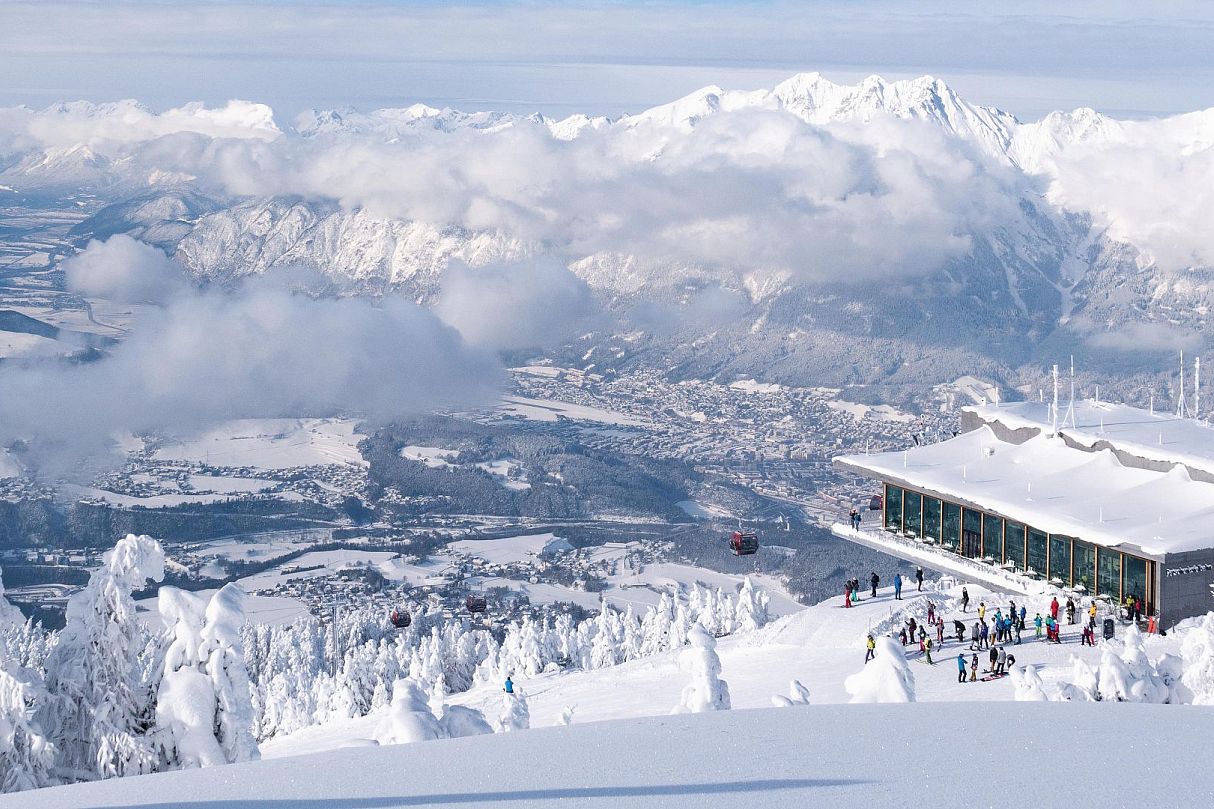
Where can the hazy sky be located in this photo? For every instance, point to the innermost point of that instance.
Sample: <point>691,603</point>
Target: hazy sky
<point>1125,58</point>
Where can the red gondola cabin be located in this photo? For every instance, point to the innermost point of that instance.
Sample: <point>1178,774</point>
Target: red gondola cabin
<point>744,543</point>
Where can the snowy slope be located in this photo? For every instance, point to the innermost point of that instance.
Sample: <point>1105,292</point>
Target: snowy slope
<point>854,755</point>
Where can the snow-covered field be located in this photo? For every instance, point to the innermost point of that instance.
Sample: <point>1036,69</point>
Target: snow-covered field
<point>947,754</point>
<point>548,410</point>
<point>271,444</point>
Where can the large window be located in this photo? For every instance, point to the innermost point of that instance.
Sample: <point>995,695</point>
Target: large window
<point>952,526</point>
<point>1108,572</point>
<point>1037,550</point>
<point>1013,544</point>
<point>992,537</point>
<point>1135,577</point>
<point>912,512</point>
<point>893,507</point>
<point>1060,558</point>
<point>1084,565</point>
<point>931,518</point>
<point>971,533</point>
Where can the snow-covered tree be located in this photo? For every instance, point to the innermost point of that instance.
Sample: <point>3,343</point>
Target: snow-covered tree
<point>515,714</point>
<point>100,702</point>
<point>888,678</point>
<point>409,718</point>
<point>26,756</point>
<point>751,610</point>
<point>1197,651</point>
<point>1028,684</point>
<point>797,695</point>
<point>566,717</point>
<point>706,691</point>
<point>222,650</point>
<point>1113,678</point>
<point>460,720</point>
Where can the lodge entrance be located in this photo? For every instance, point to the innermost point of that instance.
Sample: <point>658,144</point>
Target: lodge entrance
<point>971,544</point>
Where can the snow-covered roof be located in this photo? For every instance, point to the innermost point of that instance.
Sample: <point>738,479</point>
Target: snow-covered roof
<point>1057,488</point>
<point>1153,436</point>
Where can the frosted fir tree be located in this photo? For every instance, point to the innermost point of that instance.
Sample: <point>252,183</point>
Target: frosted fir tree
<point>1081,685</point>
<point>1028,684</point>
<point>515,714</point>
<point>101,701</point>
<point>185,704</point>
<point>604,651</point>
<point>798,694</point>
<point>751,610</point>
<point>222,650</point>
<point>888,678</point>
<point>26,755</point>
<point>409,718</point>
<point>1113,679</point>
<point>1197,651</point>
<point>706,691</point>
<point>1146,685</point>
<point>566,717</point>
<point>460,720</point>
<point>10,616</point>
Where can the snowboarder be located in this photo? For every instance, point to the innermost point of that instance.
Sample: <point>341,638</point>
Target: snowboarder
<point>875,580</point>
<point>1037,624</point>
<point>960,667</point>
<point>898,586</point>
<point>965,599</point>
<point>509,686</point>
<point>974,669</point>
<point>974,638</point>
<point>919,576</point>
<point>872,650</point>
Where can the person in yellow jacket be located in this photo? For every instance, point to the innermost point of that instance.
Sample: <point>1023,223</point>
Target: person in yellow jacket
<point>981,610</point>
<point>872,650</point>
<point>1092,614</point>
<point>927,650</point>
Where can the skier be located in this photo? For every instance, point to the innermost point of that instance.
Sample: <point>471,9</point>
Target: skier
<point>1037,624</point>
<point>965,599</point>
<point>898,586</point>
<point>927,650</point>
<point>919,576</point>
<point>872,649</point>
<point>960,667</point>
<point>875,579</point>
<point>1054,608</point>
<point>509,686</point>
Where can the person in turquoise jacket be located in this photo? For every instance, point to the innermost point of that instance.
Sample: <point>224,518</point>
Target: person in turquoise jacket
<point>960,667</point>
<point>1037,624</point>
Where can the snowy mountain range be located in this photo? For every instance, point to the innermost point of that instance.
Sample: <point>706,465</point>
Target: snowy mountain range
<point>879,232</point>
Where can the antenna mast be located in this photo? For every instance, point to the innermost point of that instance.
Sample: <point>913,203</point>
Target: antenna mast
<point>1182,409</point>
<point>1197,387</point>
<point>1054,408</point>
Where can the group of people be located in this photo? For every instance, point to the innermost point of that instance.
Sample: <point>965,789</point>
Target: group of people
<point>855,518</point>
<point>851,588</point>
<point>1000,663</point>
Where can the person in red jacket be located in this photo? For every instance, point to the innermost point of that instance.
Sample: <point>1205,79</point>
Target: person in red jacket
<point>1054,609</point>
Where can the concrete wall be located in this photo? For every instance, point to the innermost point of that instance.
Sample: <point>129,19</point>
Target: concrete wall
<point>1187,594</point>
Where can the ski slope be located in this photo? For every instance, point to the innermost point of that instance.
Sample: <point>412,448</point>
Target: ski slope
<point>1012,754</point>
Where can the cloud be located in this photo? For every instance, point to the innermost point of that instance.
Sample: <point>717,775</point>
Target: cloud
<point>124,270</point>
<point>1151,184</point>
<point>259,350</point>
<point>508,307</point>
<point>1146,338</point>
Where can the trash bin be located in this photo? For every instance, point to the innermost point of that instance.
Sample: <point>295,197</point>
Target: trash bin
<point>1108,628</point>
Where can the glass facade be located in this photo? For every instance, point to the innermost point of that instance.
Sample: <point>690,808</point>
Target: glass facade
<point>1013,543</point>
<point>1083,556</point>
<point>912,513</point>
<point>893,507</point>
<point>931,518</point>
<point>1108,573</point>
<point>992,537</point>
<point>971,533</point>
<point>1038,544</point>
<point>1134,578</point>
<point>1061,558</point>
<point>951,537</point>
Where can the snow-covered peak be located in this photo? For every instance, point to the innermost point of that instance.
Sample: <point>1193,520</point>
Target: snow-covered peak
<point>684,113</point>
<point>1035,144</point>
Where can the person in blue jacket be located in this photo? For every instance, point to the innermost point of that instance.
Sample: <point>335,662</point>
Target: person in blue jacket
<point>960,667</point>
<point>898,586</point>
<point>509,685</point>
